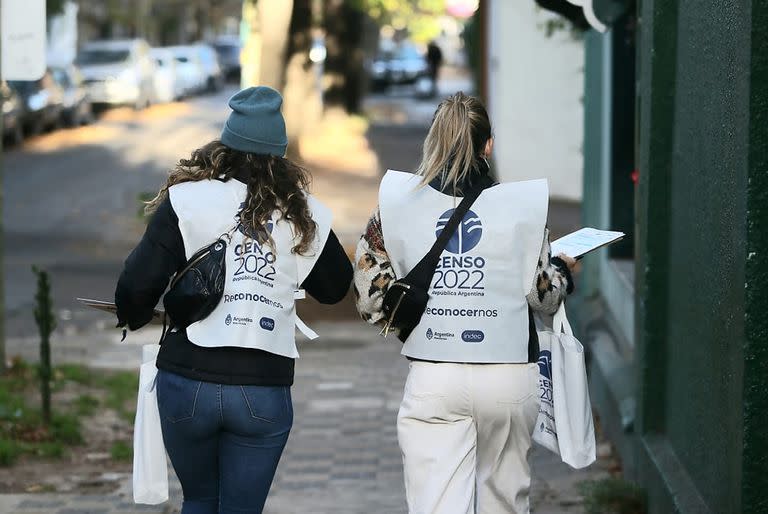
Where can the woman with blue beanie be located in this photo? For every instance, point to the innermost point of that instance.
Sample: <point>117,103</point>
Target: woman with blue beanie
<point>223,385</point>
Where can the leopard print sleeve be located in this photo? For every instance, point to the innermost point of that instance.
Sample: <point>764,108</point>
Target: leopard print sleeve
<point>552,282</point>
<point>373,272</point>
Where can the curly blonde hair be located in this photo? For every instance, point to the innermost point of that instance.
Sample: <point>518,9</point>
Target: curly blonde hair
<point>274,183</point>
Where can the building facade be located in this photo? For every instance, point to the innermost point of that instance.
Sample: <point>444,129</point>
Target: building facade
<point>673,323</point>
<point>675,154</point>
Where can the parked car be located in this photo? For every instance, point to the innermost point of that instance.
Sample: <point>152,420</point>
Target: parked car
<point>168,86</point>
<point>43,101</point>
<point>228,49</point>
<point>77,109</point>
<point>189,69</point>
<point>405,65</point>
<point>214,78</point>
<point>118,72</point>
<point>13,114</point>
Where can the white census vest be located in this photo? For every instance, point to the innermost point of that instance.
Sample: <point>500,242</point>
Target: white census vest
<point>477,311</point>
<point>257,309</point>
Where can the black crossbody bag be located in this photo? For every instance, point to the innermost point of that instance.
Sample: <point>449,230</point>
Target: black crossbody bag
<point>406,299</point>
<point>196,290</point>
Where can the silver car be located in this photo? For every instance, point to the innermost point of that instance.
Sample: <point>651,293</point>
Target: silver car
<point>118,72</point>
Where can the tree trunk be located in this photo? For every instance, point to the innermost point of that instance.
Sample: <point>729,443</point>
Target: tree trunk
<point>344,65</point>
<point>265,45</point>
<point>275,21</point>
<point>303,104</point>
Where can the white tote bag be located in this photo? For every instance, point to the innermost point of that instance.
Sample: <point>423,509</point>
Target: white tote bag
<point>545,432</point>
<point>574,428</point>
<point>150,470</point>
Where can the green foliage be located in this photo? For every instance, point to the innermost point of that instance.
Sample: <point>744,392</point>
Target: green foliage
<point>121,390</point>
<point>22,431</point>
<point>613,496</point>
<point>66,429</point>
<point>419,17</point>
<point>85,405</point>
<point>74,373</point>
<point>9,451</point>
<point>471,36</point>
<point>50,449</point>
<point>54,7</point>
<point>121,450</point>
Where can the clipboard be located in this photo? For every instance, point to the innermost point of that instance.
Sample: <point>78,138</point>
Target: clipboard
<point>101,305</point>
<point>577,244</point>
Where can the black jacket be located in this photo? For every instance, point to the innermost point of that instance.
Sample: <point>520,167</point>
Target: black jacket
<point>148,270</point>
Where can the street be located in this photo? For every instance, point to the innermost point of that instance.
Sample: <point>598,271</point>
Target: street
<point>72,202</point>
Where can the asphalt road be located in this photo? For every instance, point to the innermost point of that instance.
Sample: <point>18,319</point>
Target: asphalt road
<point>71,201</point>
<point>72,197</point>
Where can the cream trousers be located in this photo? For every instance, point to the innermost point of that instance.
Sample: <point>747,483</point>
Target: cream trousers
<point>465,432</point>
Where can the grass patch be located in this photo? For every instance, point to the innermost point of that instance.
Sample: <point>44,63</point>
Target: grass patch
<point>22,431</point>
<point>50,449</point>
<point>9,451</point>
<point>121,451</point>
<point>65,428</point>
<point>121,393</point>
<point>73,373</point>
<point>613,496</point>
<point>85,405</point>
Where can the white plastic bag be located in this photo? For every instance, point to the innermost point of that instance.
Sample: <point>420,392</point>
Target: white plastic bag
<point>574,429</point>
<point>150,470</point>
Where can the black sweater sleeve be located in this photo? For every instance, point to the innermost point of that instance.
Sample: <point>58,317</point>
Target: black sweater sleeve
<point>160,254</point>
<point>330,278</point>
<point>149,268</point>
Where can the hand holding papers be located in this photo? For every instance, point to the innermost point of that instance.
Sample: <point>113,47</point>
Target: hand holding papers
<point>581,242</point>
<point>157,315</point>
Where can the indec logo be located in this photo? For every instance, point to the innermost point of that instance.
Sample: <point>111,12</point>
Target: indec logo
<point>473,336</point>
<point>228,321</point>
<point>467,235</point>
<point>267,324</point>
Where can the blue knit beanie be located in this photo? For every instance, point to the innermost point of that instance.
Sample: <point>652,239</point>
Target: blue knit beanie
<point>256,124</point>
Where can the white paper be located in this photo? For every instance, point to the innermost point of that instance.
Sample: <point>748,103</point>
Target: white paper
<point>584,241</point>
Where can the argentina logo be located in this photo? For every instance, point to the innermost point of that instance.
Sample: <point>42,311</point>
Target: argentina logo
<point>430,335</point>
<point>467,235</point>
<point>228,320</point>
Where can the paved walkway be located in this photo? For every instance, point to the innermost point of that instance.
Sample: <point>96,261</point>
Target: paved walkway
<point>342,457</point>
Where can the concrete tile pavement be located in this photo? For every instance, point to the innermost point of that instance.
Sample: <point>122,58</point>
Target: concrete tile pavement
<point>342,456</point>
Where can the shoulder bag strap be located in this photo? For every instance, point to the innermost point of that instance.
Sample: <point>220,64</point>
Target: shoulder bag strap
<point>424,270</point>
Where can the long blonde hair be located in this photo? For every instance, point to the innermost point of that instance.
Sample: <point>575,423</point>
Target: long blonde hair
<point>459,132</point>
<point>274,183</point>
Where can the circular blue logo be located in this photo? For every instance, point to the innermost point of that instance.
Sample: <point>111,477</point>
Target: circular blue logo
<point>545,364</point>
<point>467,235</point>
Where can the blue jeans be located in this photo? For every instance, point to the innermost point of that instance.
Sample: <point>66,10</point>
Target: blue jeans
<point>224,441</point>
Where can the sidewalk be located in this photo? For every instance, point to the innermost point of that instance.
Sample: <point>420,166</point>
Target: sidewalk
<point>342,456</point>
